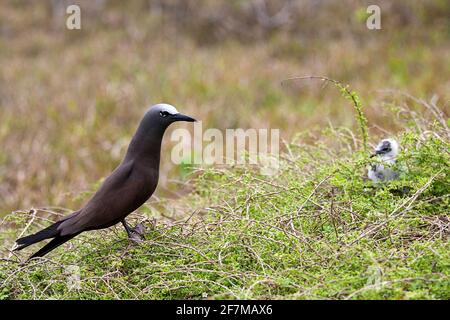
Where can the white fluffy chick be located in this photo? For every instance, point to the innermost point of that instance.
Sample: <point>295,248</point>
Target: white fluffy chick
<point>386,151</point>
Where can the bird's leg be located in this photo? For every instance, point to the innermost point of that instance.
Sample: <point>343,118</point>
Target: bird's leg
<point>127,228</point>
<point>133,233</point>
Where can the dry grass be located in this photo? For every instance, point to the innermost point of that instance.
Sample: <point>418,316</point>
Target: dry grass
<point>70,101</point>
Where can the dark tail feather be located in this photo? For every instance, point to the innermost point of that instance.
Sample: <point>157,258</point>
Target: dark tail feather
<point>47,233</point>
<point>56,242</point>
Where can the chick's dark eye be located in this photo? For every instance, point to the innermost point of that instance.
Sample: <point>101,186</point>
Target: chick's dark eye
<point>163,114</point>
<point>386,146</point>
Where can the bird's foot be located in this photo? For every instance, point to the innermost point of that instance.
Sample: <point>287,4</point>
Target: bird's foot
<point>139,229</point>
<point>136,234</point>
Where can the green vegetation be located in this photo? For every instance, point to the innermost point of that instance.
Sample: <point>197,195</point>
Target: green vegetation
<point>316,230</point>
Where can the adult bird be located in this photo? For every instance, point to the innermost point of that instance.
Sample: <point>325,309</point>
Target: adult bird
<point>123,191</point>
<point>386,151</point>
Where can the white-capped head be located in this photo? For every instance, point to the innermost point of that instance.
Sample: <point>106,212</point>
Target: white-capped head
<point>164,108</point>
<point>165,114</point>
<point>147,140</point>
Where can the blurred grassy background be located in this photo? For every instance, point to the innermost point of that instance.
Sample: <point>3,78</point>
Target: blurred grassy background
<point>71,100</point>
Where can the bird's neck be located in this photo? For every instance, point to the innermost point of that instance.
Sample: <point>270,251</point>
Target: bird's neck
<point>146,146</point>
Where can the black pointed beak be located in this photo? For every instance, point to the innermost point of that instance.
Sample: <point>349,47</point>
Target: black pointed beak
<point>182,117</point>
<point>378,152</point>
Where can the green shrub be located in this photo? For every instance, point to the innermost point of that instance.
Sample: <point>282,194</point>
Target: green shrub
<point>318,229</point>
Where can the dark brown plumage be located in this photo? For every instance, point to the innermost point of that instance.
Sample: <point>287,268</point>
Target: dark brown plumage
<point>126,189</point>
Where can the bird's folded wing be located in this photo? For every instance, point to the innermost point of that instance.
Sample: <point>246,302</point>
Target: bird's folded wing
<point>111,203</point>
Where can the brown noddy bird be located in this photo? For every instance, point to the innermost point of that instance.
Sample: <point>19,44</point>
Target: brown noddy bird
<point>126,189</point>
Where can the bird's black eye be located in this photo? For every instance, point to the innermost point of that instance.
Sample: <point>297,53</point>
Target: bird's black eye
<point>386,147</point>
<point>163,114</point>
